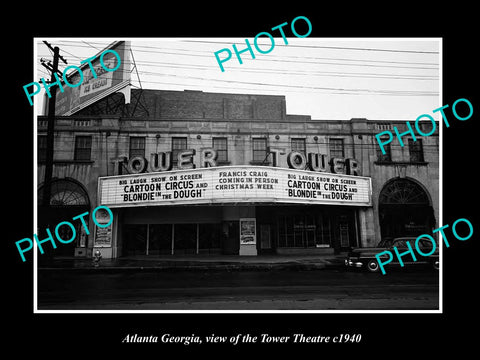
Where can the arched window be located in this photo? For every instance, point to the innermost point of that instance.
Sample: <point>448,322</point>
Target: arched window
<point>68,198</point>
<point>404,209</point>
<point>65,192</point>
<point>402,192</point>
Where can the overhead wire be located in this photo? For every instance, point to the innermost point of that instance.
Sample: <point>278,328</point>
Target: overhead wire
<point>266,86</point>
<point>290,45</point>
<point>282,58</point>
<point>279,87</point>
<point>328,47</point>
<point>199,66</point>
<point>166,65</point>
<point>299,73</point>
<point>293,86</point>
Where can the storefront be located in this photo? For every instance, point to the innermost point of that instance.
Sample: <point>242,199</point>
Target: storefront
<point>314,228</point>
<point>236,210</point>
<point>171,231</point>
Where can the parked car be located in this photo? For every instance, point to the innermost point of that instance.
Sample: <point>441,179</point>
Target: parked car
<point>365,257</point>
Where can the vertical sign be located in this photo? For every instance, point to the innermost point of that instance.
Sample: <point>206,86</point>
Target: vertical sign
<point>248,234</point>
<point>103,235</point>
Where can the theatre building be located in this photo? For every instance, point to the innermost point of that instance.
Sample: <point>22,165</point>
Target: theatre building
<point>189,172</point>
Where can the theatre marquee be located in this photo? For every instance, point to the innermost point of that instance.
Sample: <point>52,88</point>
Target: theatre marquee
<point>234,184</point>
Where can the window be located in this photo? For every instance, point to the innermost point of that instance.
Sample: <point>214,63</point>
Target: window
<point>83,148</point>
<point>299,145</point>
<point>178,144</point>
<point>383,126</point>
<point>137,146</point>
<point>336,148</point>
<point>324,230</point>
<point>387,157</point>
<point>42,148</point>
<point>298,230</point>
<point>220,145</point>
<point>416,150</point>
<point>259,149</point>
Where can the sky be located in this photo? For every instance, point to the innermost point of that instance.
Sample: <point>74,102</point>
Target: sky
<point>326,78</point>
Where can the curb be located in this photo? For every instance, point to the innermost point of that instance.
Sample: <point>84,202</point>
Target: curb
<point>195,267</point>
<point>307,264</point>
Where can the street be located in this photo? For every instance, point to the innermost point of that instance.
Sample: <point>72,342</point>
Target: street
<point>327,289</point>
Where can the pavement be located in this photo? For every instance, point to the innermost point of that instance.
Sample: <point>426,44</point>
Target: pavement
<point>196,262</point>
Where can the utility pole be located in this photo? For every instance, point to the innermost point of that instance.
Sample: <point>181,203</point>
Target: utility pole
<point>51,126</point>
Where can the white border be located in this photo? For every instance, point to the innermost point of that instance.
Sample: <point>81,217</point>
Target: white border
<point>440,176</point>
<point>35,181</point>
<point>35,260</point>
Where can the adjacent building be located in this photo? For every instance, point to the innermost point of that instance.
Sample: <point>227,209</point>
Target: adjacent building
<point>189,172</point>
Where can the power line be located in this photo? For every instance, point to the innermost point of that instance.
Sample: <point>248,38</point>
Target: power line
<point>336,90</point>
<point>75,56</point>
<point>275,87</point>
<point>191,40</point>
<point>165,65</point>
<point>91,46</point>
<point>295,72</point>
<point>358,90</point>
<point>328,47</point>
<point>283,60</point>
<point>207,66</point>
<point>291,46</point>
<point>342,90</point>
<point>139,47</point>
<point>163,50</point>
<point>281,91</point>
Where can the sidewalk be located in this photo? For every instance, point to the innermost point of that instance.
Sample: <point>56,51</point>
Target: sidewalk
<point>197,262</point>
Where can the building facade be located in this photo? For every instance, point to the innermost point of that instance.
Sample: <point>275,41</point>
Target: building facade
<point>188,172</point>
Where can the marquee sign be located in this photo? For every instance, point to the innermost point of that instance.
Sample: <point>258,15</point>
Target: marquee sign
<point>234,184</point>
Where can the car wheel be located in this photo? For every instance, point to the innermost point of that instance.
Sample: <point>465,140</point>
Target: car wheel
<point>372,266</point>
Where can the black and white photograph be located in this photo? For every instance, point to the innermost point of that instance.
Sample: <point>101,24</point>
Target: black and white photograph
<point>269,186</point>
<point>219,196</point>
